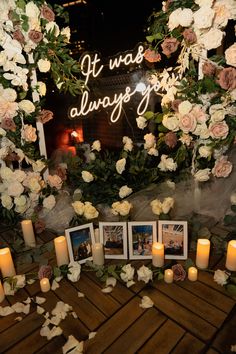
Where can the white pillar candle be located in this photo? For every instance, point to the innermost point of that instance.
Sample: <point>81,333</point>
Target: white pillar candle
<point>45,285</point>
<point>168,276</point>
<point>6,263</point>
<point>97,235</point>
<point>158,254</point>
<point>231,256</point>
<point>61,250</point>
<point>28,233</point>
<point>98,253</point>
<point>192,273</point>
<point>2,294</point>
<point>203,252</point>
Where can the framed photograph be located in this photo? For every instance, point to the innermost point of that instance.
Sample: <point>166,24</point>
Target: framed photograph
<point>79,241</point>
<point>174,235</point>
<point>114,237</point>
<point>141,237</point>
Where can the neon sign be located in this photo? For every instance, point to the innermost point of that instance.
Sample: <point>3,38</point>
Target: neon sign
<point>91,67</point>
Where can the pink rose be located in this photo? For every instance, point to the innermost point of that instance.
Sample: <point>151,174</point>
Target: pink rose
<point>175,104</point>
<point>187,123</point>
<point>61,172</point>
<point>222,167</point>
<point>169,46</point>
<point>199,114</point>
<point>35,36</point>
<point>18,36</point>
<point>47,13</point>
<point>179,272</point>
<point>39,226</point>
<point>152,56</point>
<point>8,124</point>
<point>171,139</point>
<point>29,133</point>
<point>45,116</point>
<point>208,69</point>
<point>45,271</point>
<point>227,78</point>
<point>218,130</point>
<point>54,181</point>
<point>189,36</point>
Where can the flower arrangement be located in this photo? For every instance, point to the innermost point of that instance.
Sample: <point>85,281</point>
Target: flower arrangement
<point>31,44</point>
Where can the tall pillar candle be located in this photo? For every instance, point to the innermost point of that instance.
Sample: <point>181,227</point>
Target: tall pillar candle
<point>2,294</point>
<point>98,253</point>
<point>158,254</point>
<point>6,263</point>
<point>231,256</point>
<point>28,233</point>
<point>203,253</point>
<point>61,250</point>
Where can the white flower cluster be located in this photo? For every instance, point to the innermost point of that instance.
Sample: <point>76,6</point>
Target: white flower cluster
<point>121,208</point>
<point>86,210</point>
<point>164,207</point>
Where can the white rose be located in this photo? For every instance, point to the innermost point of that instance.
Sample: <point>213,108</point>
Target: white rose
<point>230,55</point>
<point>19,175</point>
<point>91,156</point>
<point>21,208</point>
<point>184,107</point>
<point>141,122</point>
<point>96,145</point>
<point>34,185</point>
<point>38,166</point>
<point>49,202</point>
<point>167,204</point>
<point>203,17</point>
<point>167,164</point>
<point>223,12</point>
<point>6,201</point>
<point>202,131</point>
<point>20,201</point>
<point>3,152</point>
<point>156,206</point>
<point>32,10</point>
<point>52,26</point>
<point>44,65</point>
<point>87,176</point>
<point>42,88</point>
<point>233,198</point>
<point>54,181</point>
<point>66,32</point>
<point>150,141</point>
<point>74,271</point>
<point>128,143</point>
<point>26,106</point>
<point>218,116</point>
<point>127,273</point>
<point>174,19</point>
<point>204,2</point>
<point>29,133</point>
<point>125,191</point>
<point>6,173</point>
<point>9,94</point>
<point>144,274</point>
<point>202,175</point>
<point>171,122</point>
<point>90,212</point>
<point>220,277</point>
<point>78,207</point>
<point>212,39</point>
<point>2,132</point>
<point>15,189</point>
<point>153,152</point>
<point>122,208</point>
<point>205,151</point>
<point>185,17</point>
<point>120,165</point>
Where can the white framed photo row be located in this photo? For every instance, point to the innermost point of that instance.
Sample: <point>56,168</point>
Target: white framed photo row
<point>129,240</point>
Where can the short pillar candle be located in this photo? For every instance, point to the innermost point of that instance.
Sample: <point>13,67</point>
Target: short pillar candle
<point>168,276</point>
<point>98,253</point>
<point>28,233</point>
<point>192,273</point>
<point>61,250</point>
<point>6,263</point>
<point>158,254</point>
<point>45,285</point>
<point>231,256</point>
<point>203,253</point>
<point>2,294</point>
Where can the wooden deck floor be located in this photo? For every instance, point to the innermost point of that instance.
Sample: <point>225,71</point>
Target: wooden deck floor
<point>187,317</point>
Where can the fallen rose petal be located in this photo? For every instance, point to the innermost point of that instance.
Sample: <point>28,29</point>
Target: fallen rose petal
<point>40,300</point>
<point>46,332</point>
<point>55,285</point>
<point>18,319</point>
<point>27,309</point>
<point>111,281</point>
<point>130,283</point>
<point>92,335</point>
<point>107,290</point>
<point>40,310</point>
<point>55,320</point>
<point>80,294</point>
<point>46,315</point>
<point>5,311</point>
<point>74,314</point>
<point>19,307</point>
<point>73,346</point>
<point>46,323</point>
<point>146,302</point>
<point>233,348</point>
<point>31,281</point>
<point>27,301</point>
<point>58,279</point>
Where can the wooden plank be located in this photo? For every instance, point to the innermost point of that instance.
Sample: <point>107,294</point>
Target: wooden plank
<point>85,310</point>
<point>189,320</point>
<point>114,327</point>
<point>198,306</point>
<point>47,235</point>
<point>207,279</point>
<point>189,344</point>
<point>135,336</point>
<point>164,340</point>
<point>93,292</point>
<point>54,346</point>
<point>212,351</point>
<point>226,336</point>
<point>208,294</point>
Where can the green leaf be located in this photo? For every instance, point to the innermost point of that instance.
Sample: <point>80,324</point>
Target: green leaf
<point>231,288</point>
<point>56,272</point>
<point>233,208</point>
<point>160,276</point>
<point>150,39</point>
<point>189,263</point>
<point>148,115</point>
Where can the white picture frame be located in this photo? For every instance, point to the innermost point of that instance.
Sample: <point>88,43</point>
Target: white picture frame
<point>174,236</point>
<point>141,235</point>
<point>79,241</point>
<point>113,235</point>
